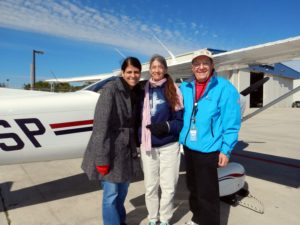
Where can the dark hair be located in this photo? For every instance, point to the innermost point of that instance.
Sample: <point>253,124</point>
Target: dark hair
<point>170,90</point>
<point>131,61</point>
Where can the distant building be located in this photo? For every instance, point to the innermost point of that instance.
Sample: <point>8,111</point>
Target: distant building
<point>281,81</point>
<point>296,96</point>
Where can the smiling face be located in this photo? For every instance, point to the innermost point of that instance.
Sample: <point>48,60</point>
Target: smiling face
<point>202,68</point>
<point>131,75</point>
<point>157,70</point>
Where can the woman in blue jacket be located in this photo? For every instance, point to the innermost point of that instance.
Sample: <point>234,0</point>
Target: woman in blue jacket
<point>159,133</point>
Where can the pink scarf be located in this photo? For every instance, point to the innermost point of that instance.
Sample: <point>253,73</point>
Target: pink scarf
<point>146,144</point>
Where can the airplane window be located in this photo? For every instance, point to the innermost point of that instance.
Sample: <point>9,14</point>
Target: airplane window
<point>96,87</point>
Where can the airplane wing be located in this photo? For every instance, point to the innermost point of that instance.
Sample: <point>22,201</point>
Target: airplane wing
<point>269,53</point>
<point>91,78</point>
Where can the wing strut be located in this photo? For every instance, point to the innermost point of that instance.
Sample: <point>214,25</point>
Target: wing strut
<point>271,103</point>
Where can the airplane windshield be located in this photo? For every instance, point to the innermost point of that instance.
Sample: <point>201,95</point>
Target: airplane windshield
<point>96,87</point>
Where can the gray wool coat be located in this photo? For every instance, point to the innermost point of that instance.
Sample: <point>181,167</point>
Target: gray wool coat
<point>113,141</point>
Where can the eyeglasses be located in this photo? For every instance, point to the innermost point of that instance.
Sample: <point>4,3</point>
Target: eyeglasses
<point>197,65</point>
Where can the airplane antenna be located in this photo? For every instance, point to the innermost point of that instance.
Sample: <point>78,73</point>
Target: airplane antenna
<point>121,54</point>
<point>53,74</point>
<point>165,47</point>
<point>52,83</point>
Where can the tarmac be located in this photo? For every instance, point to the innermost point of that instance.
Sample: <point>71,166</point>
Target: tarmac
<point>58,193</point>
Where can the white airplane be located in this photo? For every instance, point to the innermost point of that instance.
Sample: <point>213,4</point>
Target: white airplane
<point>43,126</point>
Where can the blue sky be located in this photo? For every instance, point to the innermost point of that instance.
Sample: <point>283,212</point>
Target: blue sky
<point>84,37</point>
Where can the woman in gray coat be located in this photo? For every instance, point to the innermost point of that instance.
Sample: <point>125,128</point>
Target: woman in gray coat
<point>111,155</point>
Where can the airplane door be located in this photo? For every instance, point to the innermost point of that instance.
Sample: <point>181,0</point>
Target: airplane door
<point>256,97</point>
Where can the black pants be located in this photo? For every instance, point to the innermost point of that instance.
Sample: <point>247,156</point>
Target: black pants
<point>202,182</point>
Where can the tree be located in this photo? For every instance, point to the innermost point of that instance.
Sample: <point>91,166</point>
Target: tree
<point>2,85</point>
<point>39,86</point>
<point>57,87</point>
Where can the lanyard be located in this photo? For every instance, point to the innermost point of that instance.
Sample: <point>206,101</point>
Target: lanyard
<point>195,108</point>
<point>194,112</point>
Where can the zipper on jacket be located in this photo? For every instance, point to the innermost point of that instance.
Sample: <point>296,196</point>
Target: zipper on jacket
<point>211,128</point>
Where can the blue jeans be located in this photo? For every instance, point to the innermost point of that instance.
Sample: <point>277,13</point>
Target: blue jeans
<point>113,210</point>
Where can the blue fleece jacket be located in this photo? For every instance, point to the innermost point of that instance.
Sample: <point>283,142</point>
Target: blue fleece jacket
<point>162,112</point>
<point>217,118</point>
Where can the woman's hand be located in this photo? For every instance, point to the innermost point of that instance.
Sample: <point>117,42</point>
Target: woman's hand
<point>159,129</point>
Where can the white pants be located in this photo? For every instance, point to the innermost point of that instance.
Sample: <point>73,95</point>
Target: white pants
<point>161,168</point>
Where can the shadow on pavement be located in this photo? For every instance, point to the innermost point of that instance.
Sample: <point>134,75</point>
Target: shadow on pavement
<point>276,169</point>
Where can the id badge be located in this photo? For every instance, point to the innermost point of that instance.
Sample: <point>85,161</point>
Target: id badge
<point>193,135</point>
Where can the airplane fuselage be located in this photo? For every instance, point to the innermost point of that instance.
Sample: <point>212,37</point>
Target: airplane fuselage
<point>45,126</point>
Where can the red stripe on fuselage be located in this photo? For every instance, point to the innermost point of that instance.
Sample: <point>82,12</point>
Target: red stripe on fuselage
<point>236,174</point>
<point>233,175</point>
<point>71,124</point>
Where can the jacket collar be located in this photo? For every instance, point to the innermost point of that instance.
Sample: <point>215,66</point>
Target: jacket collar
<point>213,80</point>
<point>122,85</point>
